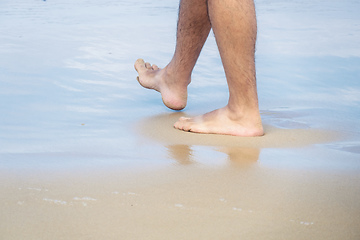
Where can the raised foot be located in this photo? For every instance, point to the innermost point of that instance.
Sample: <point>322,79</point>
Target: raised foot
<point>173,91</point>
<point>221,121</point>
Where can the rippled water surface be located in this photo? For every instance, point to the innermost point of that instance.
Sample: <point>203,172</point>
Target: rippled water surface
<point>68,83</point>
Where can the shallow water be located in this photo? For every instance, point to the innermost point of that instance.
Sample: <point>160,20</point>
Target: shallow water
<point>71,108</point>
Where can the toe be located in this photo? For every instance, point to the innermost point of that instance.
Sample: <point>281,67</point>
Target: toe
<point>184,119</point>
<point>148,65</point>
<point>176,125</point>
<point>139,63</point>
<point>179,124</point>
<point>183,124</point>
<point>155,67</point>
<point>186,127</point>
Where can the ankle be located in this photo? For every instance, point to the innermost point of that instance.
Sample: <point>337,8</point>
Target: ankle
<point>173,74</point>
<point>244,114</point>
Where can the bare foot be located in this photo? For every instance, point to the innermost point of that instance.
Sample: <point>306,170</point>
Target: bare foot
<point>223,121</point>
<point>173,91</point>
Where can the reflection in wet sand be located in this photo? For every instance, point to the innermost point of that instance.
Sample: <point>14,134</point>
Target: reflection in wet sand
<point>240,151</point>
<point>241,157</point>
<point>181,153</point>
<point>237,156</point>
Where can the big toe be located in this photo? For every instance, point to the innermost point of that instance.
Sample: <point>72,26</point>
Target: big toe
<point>183,124</point>
<point>139,64</point>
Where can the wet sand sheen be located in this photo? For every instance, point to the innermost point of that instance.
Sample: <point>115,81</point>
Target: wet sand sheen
<point>160,128</point>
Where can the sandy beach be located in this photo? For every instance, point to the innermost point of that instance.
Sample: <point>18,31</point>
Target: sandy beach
<point>86,153</point>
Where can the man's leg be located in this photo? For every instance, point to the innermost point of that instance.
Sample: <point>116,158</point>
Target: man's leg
<point>234,26</point>
<point>172,81</point>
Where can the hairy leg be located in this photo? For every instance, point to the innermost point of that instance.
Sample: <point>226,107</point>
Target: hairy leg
<point>192,30</point>
<point>234,26</point>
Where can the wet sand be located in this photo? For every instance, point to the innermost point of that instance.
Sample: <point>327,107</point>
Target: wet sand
<point>161,128</point>
<point>86,153</point>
